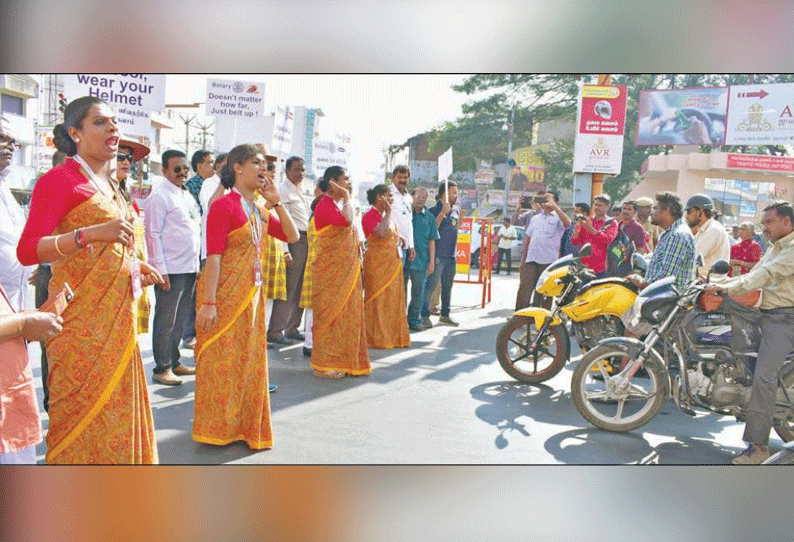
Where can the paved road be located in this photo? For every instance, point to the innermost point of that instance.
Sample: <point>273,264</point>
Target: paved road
<point>444,400</point>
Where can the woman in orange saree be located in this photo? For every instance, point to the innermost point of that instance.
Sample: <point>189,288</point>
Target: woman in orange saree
<point>99,404</point>
<point>384,290</point>
<point>232,401</point>
<point>340,344</point>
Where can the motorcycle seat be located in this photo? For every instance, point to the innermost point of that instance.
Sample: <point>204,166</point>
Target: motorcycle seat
<point>614,280</point>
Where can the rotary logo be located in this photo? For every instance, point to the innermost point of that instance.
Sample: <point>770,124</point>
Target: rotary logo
<point>238,87</point>
<point>756,122</point>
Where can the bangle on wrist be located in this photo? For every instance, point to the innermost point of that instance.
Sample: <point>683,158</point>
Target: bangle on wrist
<point>57,248</point>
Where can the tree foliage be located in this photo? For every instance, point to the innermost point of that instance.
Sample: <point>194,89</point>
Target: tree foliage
<point>544,97</point>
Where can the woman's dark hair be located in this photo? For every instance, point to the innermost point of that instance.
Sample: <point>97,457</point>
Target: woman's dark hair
<point>74,115</point>
<point>332,173</point>
<point>238,155</point>
<point>375,191</point>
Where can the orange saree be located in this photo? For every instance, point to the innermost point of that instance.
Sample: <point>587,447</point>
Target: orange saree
<point>99,405</point>
<point>384,293</point>
<point>340,342</point>
<point>232,400</point>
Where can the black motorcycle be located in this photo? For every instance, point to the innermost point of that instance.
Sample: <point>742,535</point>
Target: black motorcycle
<point>713,348</point>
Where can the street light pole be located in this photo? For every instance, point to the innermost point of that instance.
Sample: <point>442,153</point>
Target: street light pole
<point>507,163</point>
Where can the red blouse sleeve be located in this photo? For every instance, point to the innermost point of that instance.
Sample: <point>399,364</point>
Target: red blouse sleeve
<point>327,213</point>
<point>219,224</point>
<point>370,220</point>
<point>274,228</point>
<point>56,193</point>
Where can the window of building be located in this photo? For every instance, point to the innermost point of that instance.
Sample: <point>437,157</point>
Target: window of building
<point>739,200</point>
<point>12,104</point>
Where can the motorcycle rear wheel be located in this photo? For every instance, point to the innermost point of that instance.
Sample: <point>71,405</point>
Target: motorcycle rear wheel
<point>786,428</point>
<point>513,353</point>
<point>606,407</point>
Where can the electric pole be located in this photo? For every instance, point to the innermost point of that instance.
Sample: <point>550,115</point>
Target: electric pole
<point>604,79</point>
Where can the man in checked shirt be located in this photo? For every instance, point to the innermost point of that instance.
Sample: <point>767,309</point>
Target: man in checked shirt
<point>673,256</point>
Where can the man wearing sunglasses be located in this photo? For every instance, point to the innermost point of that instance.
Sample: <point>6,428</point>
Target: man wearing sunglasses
<point>173,237</point>
<point>13,275</point>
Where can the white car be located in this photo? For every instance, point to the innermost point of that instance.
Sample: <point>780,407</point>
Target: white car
<point>476,239</point>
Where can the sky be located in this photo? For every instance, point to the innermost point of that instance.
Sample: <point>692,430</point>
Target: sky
<point>375,110</point>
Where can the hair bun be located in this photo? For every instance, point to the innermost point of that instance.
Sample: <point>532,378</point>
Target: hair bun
<point>63,141</point>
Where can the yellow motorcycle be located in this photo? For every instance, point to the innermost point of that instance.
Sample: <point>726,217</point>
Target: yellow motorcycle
<point>534,345</point>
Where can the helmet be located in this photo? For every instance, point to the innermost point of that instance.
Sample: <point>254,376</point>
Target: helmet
<point>701,201</point>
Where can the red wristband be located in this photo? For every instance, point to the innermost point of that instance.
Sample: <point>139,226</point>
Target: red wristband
<point>207,303</point>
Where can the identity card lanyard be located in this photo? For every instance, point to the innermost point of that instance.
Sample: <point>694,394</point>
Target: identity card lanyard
<point>256,237</point>
<point>120,204</point>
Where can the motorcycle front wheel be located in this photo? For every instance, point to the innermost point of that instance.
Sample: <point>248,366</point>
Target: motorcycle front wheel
<point>513,350</point>
<point>603,401</point>
<point>785,425</point>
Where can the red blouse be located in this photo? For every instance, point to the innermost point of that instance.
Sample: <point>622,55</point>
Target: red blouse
<point>327,213</point>
<point>748,251</point>
<point>56,193</point>
<point>226,215</point>
<point>370,221</point>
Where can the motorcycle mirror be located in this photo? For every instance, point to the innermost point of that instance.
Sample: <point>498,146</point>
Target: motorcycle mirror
<point>639,263</point>
<point>586,250</point>
<point>720,267</point>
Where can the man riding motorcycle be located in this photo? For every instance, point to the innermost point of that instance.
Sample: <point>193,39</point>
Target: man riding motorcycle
<point>774,276</point>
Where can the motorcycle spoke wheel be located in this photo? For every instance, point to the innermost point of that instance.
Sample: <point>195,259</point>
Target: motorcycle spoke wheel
<point>607,402</point>
<point>517,358</point>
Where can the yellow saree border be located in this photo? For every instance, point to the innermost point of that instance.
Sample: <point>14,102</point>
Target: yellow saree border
<point>103,399</point>
<point>231,322</point>
<point>383,289</point>
<point>346,370</point>
<point>260,445</point>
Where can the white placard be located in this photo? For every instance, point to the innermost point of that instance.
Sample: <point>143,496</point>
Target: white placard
<point>445,165</point>
<point>132,95</point>
<point>760,115</point>
<point>236,99</point>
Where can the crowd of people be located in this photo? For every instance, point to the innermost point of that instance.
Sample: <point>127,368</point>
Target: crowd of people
<point>221,246</point>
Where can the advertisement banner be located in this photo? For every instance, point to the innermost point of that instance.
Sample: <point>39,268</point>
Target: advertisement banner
<point>761,162</point>
<point>45,148</point>
<point>282,130</point>
<point>423,171</point>
<point>495,198</point>
<point>133,96</point>
<point>761,115</point>
<point>598,147</point>
<point>484,176</point>
<point>689,116</point>
<point>530,171</point>
<point>227,98</point>
<point>463,249</point>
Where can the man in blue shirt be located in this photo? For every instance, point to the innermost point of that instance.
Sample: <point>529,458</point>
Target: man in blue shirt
<point>425,235</point>
<point>447,223</point>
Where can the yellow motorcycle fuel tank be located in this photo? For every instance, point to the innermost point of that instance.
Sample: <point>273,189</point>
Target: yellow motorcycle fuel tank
<point>610,296</point>
<point>548,282</point>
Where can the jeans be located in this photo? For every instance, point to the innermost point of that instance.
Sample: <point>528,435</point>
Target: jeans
<point>171,310</point>
<point>444,271</point>
<point>418,283</point>
<point>504,252</point>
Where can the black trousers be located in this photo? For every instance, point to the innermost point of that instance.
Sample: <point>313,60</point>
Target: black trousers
<point>43,276</point>
<point>508,253</point>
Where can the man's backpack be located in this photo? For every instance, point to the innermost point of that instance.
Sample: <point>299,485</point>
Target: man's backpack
<point>619,254</point>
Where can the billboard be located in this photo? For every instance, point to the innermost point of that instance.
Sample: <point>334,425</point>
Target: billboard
<point>689,116</point>
<point>231,98</point>
<point>601,120</point>
<point>529,172</point>
<point>761,115</point>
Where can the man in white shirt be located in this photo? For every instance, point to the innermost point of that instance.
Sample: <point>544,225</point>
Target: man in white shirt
<point>13,275</point>
<point>206,199</point>
<point>173,235</point>
<point>541,247</point>
<point>711,239</point>
<point>285,319</point>
<point>402,211</point>
<point>507,234</point>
